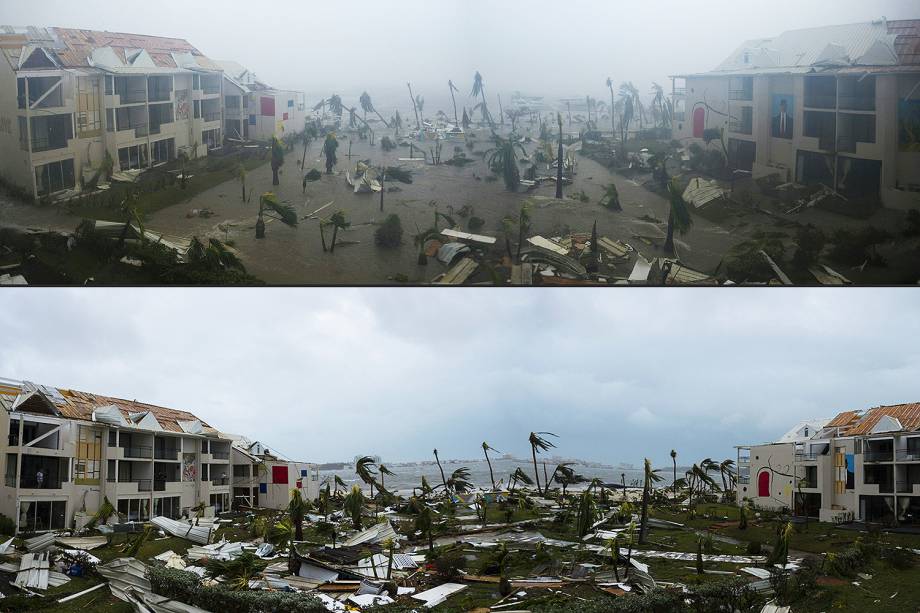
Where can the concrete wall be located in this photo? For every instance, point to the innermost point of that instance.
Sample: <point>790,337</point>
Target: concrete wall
<point>777,461</point>
<point>15,167</point>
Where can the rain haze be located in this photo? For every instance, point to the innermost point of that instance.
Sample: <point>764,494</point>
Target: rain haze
<point>379,46</point>
<point>326,375</point>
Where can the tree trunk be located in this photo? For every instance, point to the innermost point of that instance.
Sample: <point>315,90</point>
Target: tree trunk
<point>443,479</point>
<point>414,107</point>
<point>536,473</point>
<point>674,482</point>
<point>491,476</point>
<point>322,236</point>
<point>454,100</point>
<point>669,241</point>
<point>275,180</point>
<point>244,190</point>
<point>643,522</point>
<point>335,232</point>
<point>260,228</point>
<point>560,164</point>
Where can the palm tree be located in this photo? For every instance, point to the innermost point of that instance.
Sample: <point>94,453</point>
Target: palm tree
<point>420,105</point>
<point>678,215</point>
<point>479,90</point>
<point>367,105</point>
<point>628,109</point>
<point>780,553</point>
<point>565,476</point>
<point>215,256</point>
<point>674,462</point>
<point>726,471</point>
<point>485,451</point>
<point>453,88</point>
<point>651,477</point>
<point>538,443</point>
<point>519,475</point>
<point>559,161</point>
<point>459,481</point>
<point>502,158</point>
<point>614,545</point>
<point>418,122</point>
<point>335,105</point>
<point>587,513</point>
<point>366,469</point>
<point>385,471</point>
<point>241,175</point>
<point>338,220</point>
<point>297,508</point>
<point>354,503</point>
<point>424,524</point>
<point>284,213</point>
<point>613,125</point>
<point>658,102</point>
<point>466,120</point>
<point>329,147</point>
<point>438,460</point>
<point>277,158</point>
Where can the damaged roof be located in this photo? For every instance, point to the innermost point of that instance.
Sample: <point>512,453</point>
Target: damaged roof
<point>72,404</point>
<point>75,48</point>
<point>907,416</point>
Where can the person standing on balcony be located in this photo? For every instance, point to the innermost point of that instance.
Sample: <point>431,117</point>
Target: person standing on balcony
<point>39,478</point>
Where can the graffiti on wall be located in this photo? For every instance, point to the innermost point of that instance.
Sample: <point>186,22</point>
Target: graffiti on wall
<point>189,470</point>
<point>182,105</point>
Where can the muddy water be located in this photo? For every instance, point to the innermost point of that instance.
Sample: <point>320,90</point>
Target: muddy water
<point>295,255</point>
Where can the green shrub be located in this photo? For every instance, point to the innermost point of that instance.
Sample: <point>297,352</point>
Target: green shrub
<point>186,587</point>
<point>7,525</point>
<point>852,248</point>
<point>754,548</point>
<point>389,234</point>
<point>810,241</point>
<point>450,563</point>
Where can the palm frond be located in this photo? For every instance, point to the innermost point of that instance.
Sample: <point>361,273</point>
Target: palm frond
<point>539,443</point>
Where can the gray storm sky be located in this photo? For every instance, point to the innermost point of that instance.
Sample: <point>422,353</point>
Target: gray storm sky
<point>326,374</point>
<point>535,46</point>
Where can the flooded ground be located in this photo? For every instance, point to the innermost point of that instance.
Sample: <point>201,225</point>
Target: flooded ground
<point>295,255</point>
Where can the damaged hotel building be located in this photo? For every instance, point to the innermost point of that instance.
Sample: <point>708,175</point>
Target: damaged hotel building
<point>837,105</point>
<point>859,466</point>
<point>77,104</point>
<point>66,451</point>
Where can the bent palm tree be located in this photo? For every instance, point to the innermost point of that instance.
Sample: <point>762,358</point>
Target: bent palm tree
<point>559,161</point>
<point>453,88</point>
<point>538,443</point>
<point>485,451</point>
<point>519,475</point>
<point>651,477</point>
<point>502,159</point>
<point>674,462</point>
<point>354,504</point>
<point>297,508</point>
<point>366,469</point>
<point>270,207</point>
<point>679,218</point>
<point>459,481</point>
<point>479,90</point>
<point>438,460</point>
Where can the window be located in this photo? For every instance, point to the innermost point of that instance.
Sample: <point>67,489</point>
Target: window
<point>133,157</point>
<point>197,109</point>
<point>290,104</point>
<point>113,438</point>
<point>240,471</point>
<point>167,507</point>
<point>89,105</point>
<point>134,509</point>
<point>163,151</point>
<point>54,177</point>
<point>109,85</point>
<point>160,114</point>
<point>51,132</point>
<point>21,93</point>
<point>196,82</point>
<point>220,502</point>
<point>110,120</point>
<point>211,138</point>
<point>23,133</point>
<point>10,479</point>
<point>88,464</point>
<point>40,515</point>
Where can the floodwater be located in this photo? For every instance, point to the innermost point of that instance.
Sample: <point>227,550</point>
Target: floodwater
<point>409,476</point>
<point>295,255</point>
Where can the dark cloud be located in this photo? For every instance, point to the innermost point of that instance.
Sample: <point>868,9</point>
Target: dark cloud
<point>328,374</point>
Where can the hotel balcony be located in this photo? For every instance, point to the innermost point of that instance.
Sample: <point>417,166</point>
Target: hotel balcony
<point>806,457</point>
<point>878,456</point>
<point>908,455</point>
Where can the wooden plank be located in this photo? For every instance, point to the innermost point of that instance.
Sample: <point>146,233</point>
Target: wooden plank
<point>459,273</point>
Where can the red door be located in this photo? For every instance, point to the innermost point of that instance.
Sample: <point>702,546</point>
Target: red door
<point>763,484</point>
<point>699,122</point>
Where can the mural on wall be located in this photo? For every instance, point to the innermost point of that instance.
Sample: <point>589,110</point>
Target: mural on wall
<point>772,484</point>
<point>909,125</point>
<point>182,106</point>
<point>782,112</point>
<point>189,470</point>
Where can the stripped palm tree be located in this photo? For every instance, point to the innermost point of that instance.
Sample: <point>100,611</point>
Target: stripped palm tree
<point>485,451</point>
<point>385,471</point>
<point>674,462</point>
<point>338,481</point>
<point>538,443</point>
<point>502,159</point>
<point>727,472</point>
<point>479,90</point>
<point>559,161</point>
<point>613,125</point>
<point>453,88</point>
<point>418,122</point>
<point>679,218</point>
<point>519,475</point>
<point>367,105</point>
<point>658,103</point>
<point>651,477</point>
<point>565,476</point>
<point>438,460</point>
<point>270,207</point>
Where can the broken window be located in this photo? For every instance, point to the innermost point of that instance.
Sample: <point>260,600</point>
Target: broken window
<point>167,507</point>
<point>40,515</point>
<point>220,502</point>
<point>159,89</point>
<point>855,129</point>
<point>134,509</point>
<point>89,105</point>
<point>742,122</point>
<point>857,93</point>
<point>54,177</point>
<point>858,178</point>
<point>822,126</point>
<point>43,472</point>
<point>814,168</point>
<point>211,138</point>
<point>10,480</point>
<point>51,132</point>
<point>821,92</point>
<point>160,114</point>
<point>741,153</point>
<point>163,151</point>
<point>134,157</point>
<point>88,464</point>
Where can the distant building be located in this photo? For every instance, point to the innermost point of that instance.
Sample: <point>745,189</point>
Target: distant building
<point>256,111</point>
<point>838,105</point>
<point>68,97</point>
<point>262,479</point>
<point>860,465</point>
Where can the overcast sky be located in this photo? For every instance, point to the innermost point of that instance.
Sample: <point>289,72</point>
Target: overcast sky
<point>537,46</point>
<point>327,374</point>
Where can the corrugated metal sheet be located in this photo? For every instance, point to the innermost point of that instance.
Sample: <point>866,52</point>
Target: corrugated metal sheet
<point>907,414</point>
<point>196,534</point>
<point>843,419</point>
<point>124,575</point>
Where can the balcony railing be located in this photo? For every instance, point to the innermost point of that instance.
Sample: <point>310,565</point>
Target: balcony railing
<point>744,480</point>
<point>810,485</point>
<point>877,456</point>
<point>821,101</point>
<point>47,143</point>
<point>220,455</point>
<point>909,455</point>
<point>44,484</point>
<point>166,454</point>
<point>224,481</point>
<point>740,127</point>
<point>847,144</point>
<point>805,457</point>
<point>159,96</point>
<point>857,103</point>
<point>143,485</point>
<point>211,116</point>
<point>138,452</point>
<point>741,94</point>
<point>680,91</point>
<point>906,487</point>
<point>159,485</point>
<point>886,487</point>
<point>210,90</point>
